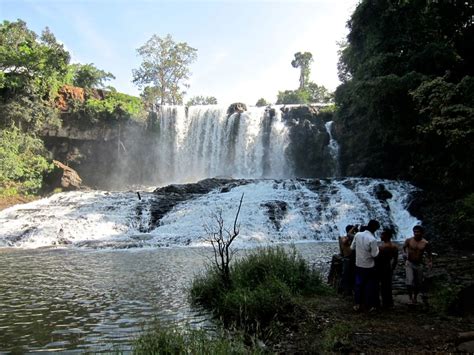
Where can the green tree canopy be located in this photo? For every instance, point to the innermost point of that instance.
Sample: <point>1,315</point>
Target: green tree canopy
<point>303,61</point>
<point>404,107</point>
<point>21,162</point>
<point>31,70</point>
<point>201,100</point>
<point>164,70</point>
<point>88,76</point>
<point>262,102</point>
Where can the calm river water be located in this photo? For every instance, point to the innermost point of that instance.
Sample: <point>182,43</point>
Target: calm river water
<point>75,300</point>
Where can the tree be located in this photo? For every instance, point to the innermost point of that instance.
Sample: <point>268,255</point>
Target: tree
<point>303,61</point>
<point>318,93</point>
<point>88,76</point>
<point>292,97</point>
<point>201,100</point>
<point>221,240</point>
<point>165,69</point>
<point>31,71</point>
<point>403,108</point>
<point>261,102</point>
<point>21,162</point>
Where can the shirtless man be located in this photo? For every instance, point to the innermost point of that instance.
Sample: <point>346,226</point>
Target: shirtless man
<point>348,261</point>
<point>414,249</point>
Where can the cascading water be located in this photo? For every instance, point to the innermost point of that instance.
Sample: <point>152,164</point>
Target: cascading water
<point>207,142</point>
<point>333,148</point>
<point>79,299</point>
<point>272,211</point>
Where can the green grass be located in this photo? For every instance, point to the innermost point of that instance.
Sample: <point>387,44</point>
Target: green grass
<point>159,339</point>
<point>265,287</point>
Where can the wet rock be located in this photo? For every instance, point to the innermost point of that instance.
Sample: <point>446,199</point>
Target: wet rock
<point>69,179</point>
<point>276,211</point>
<point>382,193</point>
<point>166,198</point>
<point>236,107</point>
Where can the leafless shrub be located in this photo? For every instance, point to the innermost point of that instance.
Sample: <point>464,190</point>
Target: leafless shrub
<point>221,239</point>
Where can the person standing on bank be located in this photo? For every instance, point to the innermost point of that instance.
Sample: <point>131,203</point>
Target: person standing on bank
<point>348,260</point>
<point>414,249</point>
<point>366,285</point>
<point>385,263</point>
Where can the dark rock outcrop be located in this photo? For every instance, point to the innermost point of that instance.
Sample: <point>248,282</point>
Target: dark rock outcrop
<point>236,107</point>
<point>276,211</point>
<point>169,196</point>
<point>68,178</point>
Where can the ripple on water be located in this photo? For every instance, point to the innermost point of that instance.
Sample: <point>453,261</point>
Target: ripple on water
<point>96,301</point>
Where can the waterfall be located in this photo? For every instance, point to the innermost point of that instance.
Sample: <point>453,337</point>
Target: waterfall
<point>333,148</point>
<point>273,211</point>
<point>204,141</point>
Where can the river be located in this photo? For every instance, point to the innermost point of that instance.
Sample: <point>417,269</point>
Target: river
<point>72,299</point>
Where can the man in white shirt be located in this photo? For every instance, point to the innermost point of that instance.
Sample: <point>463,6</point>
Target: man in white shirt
<point>366,249</point>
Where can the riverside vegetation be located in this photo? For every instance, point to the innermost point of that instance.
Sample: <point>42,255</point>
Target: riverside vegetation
<point>404,110</point>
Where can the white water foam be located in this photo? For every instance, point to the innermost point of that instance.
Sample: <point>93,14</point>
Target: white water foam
<point>208,142</point>
<point>304,210</point>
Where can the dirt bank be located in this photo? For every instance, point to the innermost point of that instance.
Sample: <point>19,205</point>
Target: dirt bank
<point>8,201</point>
<point>329,324</point>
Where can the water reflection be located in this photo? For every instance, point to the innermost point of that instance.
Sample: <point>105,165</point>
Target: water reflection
<point>59,299</point>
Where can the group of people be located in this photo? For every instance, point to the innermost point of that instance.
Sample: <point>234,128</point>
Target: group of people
<point>368,265</point>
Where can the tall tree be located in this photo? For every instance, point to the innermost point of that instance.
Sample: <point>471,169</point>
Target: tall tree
<point>403,106</point>
<point>303,61</point>
<point>31,70</point>
<point>88,76</point>
<point>164,70</point>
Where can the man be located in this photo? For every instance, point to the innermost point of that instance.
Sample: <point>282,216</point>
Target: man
<point>365,246</point>
<point>348,260</point>
<point>414,249</point>
<point>385,263</point>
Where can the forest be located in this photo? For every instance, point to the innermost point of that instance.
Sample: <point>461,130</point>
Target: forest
<point>404,109</point>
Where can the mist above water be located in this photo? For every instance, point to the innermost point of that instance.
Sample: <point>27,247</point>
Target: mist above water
<point>206,142</point>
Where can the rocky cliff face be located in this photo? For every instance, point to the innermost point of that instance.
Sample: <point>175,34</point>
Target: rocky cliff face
<point>113,154</point>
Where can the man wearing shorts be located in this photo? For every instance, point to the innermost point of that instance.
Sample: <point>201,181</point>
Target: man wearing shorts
<point>414,249</point>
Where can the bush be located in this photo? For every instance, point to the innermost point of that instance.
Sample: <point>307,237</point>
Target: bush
<point>444,296</point>
<point>22,163</point>
<point>170,340</point>
<point>263,288</point>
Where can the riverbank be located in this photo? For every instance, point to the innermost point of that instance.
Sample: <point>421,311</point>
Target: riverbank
<point>8,201</point>
<point>330,324</point>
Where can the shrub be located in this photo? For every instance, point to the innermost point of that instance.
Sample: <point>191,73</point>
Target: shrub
<point>171,340</point>
<point>263,288</point>
<point>444,296</point>
<point>337,337</point>
<point>22,162</point>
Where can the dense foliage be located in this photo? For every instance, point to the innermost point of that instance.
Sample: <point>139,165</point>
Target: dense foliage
<point>166,339</point>
<point>110,106</point>
<point>87,76</point>
<point>164,70</point>
<point>405,108</point>
<point>263,287</point>
<point>308,92</point>
<point>33,71</point>
<point>22,162</point>
<point>201,100</point>
<point>261,102</point>
<point>406,104</point>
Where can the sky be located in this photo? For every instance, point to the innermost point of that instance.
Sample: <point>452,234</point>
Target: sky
<point>244,48</point>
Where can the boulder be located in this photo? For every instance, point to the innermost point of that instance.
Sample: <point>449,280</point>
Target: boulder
<point>69,178</point>
<point>236,107</point>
